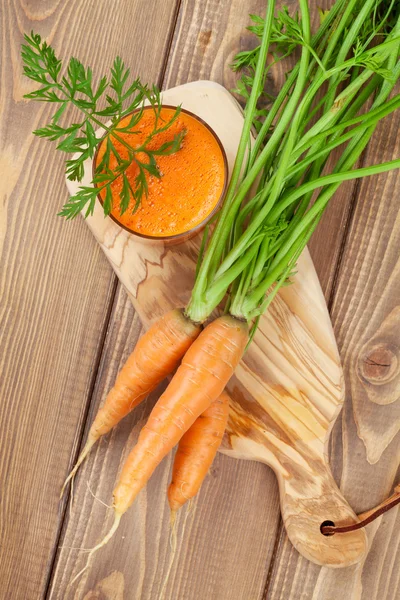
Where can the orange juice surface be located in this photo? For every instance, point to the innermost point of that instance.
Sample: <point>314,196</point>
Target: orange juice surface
<point>192,180</point>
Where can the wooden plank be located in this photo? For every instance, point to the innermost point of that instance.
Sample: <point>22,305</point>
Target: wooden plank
<point>56,287</point>
<point>365,451</point>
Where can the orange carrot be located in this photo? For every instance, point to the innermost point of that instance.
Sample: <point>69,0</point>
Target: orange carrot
<point>194,456</point>
<point>201,378</point>
<point>205,369</point>
<point>196,452</point>
<point>156,355</point>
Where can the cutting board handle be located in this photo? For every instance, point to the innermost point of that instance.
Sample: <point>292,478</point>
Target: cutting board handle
<point>308,501</point>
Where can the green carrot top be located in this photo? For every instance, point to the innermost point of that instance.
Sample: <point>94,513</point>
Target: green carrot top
<point>280,185</point>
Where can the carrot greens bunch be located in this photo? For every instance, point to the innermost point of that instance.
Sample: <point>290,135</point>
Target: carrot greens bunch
<point>325,104</point>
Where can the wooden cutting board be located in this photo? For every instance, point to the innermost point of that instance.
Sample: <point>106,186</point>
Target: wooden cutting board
<point>288,390</point>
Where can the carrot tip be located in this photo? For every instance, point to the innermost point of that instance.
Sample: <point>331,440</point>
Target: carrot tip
<point>173,542</point>
<point>88,446</point>
<point>173,535</point>
<point>103,542</point>
<point>172,517</point>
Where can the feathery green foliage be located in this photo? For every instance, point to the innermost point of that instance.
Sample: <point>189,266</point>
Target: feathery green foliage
<point>112,99</point>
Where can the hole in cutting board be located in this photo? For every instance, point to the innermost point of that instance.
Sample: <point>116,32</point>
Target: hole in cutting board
<point>327,524</point>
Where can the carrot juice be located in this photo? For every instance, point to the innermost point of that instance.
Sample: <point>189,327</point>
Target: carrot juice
<point>192,180</point>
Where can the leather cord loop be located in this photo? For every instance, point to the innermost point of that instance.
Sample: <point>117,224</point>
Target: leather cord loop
<point>366,517</point>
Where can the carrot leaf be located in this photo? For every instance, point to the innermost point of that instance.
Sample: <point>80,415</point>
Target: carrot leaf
<point>114,97</point>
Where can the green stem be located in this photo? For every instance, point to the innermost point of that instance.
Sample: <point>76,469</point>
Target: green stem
<point>358,133</point>
<point>250,265</point>
<point>221,284</point>
<point>335,178</point>
<point>333,14</point>
<point>221,231</point>
<point>347,44</point>
<point>278,276</point>
<point>270,146</point>
<point>365,120</point>
<point>299,236</point>
<point>342,101</point>
<point>285,158</point>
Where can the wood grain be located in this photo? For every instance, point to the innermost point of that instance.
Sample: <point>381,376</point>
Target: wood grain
<point>366,449</point>
<point>56,287</point>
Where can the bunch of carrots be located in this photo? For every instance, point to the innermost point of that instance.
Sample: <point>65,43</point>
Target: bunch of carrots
<point>334,97</point>
<point>157,354</point>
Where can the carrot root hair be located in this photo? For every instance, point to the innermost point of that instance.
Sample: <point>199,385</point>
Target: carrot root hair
<point>173,544</point>
<point>96,497</point>
<point>173,538</point>
<point>86,449</point>
<point>190,508</point>
<point>93,551</point>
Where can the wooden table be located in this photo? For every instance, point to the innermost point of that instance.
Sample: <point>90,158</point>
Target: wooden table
<point>66,326</point>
